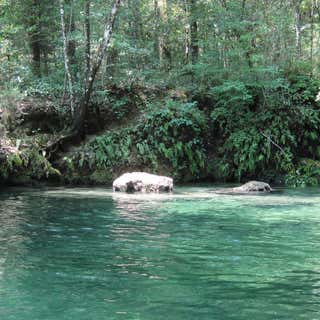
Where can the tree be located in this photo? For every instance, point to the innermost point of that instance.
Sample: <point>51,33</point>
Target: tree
<point>34,27</point>
<point>194,45</point>
<point>87,40</point>
<point>71,29</point>
<point>161,36</point>
<point>84,103</point>
<point>77,131</point>
<point>66,56</point>
<point>298,27</point>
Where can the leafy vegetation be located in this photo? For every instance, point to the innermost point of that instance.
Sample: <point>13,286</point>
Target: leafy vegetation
<point>220,90</point>
<point>26,167</point>
<point>172,136</point>
<point>265,126</point>
<point>306,173</point>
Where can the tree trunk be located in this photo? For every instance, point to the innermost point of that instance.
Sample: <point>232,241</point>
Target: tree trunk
<point>186,33</point>
<point>83,108</point>
<point>312,34</point>
<point>88,41</point>
<point>161,41</point>
<point>136,32</point>
<point>36,55</point>
<point>156,31</point>
<point>34,35</point>
<point>194,46</point>
<point>135,18</point>
<point>167,48</point>
<point>66,56</point>
<point>77,131</point>
<point>298,27</point>
<point>71,41</point>
<point>191,32</point>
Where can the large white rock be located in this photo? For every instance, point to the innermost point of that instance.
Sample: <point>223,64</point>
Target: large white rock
<point>142,182</point>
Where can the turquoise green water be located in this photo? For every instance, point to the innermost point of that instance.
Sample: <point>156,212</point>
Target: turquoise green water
<point>89,254</point>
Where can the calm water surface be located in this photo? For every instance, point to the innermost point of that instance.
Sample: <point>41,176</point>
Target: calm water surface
<point>89,254</point>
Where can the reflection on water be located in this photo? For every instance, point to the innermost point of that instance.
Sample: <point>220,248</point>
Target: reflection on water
<point>194,254</point>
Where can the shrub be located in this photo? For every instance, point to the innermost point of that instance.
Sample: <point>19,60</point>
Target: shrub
<point>265,126</point>
<point>171,136</point>
<point>307,173</point>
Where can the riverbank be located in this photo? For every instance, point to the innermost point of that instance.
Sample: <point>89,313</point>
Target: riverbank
<point>158,130</point>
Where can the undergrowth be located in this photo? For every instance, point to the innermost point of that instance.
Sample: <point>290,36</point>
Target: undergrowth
<point>167,137</point>
<point>26,166</point>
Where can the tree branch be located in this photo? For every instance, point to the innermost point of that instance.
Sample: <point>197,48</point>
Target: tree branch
<point>274,143</point>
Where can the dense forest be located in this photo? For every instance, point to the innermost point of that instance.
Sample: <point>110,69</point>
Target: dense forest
<point>202,90</point>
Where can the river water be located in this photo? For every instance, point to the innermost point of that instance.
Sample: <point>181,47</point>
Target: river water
<point>73,254</point>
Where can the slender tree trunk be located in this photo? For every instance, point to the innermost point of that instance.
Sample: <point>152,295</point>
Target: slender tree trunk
<point>317,14</point>
<point>298,27</point>
<point>66,56</point>
<point>77,132</point>
<point>135,23</point>
<point>161,41</point>
<point>45,63</point>
<point>167,47</point>
<point>224,52</point>
<point>194,46</point>
<point>78,126</point>
<point>71,30</point>
<point>312,34</point>
<point>88,41</point>
<point>191,32</point>
<point>157,41</point>
<point>135,29</point>
<point>34,35</point>
<point>186,33</point>
<point>36,55</point>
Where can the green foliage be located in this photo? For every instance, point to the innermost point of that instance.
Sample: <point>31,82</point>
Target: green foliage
<point>232,93</point>
<point>12,162</point>
<point>120,108</point>
<point>113,149</point>
<point>9,100</point>
<point>172,136</point>
<point>38,167</point>
<point>252,151</point>
<point>45,87</point>
<point>175,133</point>
<point>263,127</point>
<point>114,103</point>
<point>10,97</point>
<point>250,117</point>
<point>30,164</point>
<point>306,173</point>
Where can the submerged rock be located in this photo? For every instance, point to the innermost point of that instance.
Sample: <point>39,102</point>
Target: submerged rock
<point>142,182</point>
<point>253,186</point>
<point>249,187</point>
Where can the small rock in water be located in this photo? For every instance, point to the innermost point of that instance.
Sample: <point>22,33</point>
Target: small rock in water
<point>254,186</point>
<point>142,182</point>
<point>249,187</point>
